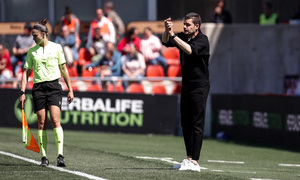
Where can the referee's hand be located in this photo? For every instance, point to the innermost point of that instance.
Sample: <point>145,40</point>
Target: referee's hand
<point>70,97</point>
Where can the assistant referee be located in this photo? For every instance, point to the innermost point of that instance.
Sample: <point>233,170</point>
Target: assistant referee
<point>48,61</point>
<point>194,58</point>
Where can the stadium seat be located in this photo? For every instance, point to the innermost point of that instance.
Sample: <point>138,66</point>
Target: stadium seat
<point>94,88</point>
<point>177,89</point>
<point>72,71</point>
<point>174,71</point>
<point>136,88</point>
<point>155,71</point>
<point>111,88</point>
<point>158,89</point>
<point>90,72</point>
<point>84,56</point>
<point>172,56</point>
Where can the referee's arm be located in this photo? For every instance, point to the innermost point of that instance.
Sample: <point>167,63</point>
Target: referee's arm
<point>65,74</point>
<point>26,74</point>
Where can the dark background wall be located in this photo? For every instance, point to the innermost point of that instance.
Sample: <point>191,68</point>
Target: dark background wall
<point>243,11</point>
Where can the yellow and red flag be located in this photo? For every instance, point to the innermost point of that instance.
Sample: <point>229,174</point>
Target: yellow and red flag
<point>28,139</point>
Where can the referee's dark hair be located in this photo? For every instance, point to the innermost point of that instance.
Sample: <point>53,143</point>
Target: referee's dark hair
<point>196,19</point>
<point>41,26</point>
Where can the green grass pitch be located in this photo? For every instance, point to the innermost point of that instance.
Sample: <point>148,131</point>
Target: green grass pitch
<point>115,156</point>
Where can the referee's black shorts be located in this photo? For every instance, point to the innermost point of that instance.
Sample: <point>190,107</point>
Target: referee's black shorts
<point>46,94</point>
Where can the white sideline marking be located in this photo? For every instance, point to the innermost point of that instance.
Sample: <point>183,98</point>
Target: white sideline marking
<point>243,172</point>
<point>166,159</point>
<point>290,165</point>
<point>53,167</point>
<point>233,162</point>
<point>215,170</point>
<point>260,179</point>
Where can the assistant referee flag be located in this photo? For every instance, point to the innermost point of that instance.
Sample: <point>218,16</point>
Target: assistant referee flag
<point>28,139</point>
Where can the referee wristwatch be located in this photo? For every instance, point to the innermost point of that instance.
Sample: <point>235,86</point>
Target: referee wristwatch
<point>21,93</point>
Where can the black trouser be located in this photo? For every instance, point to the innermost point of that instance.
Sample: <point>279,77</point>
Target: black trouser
<point>193,108</point>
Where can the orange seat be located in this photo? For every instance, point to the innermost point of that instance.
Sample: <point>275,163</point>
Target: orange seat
<point>90,72</point>
<point>94,87</point>
<point>84,56</point>
<point>172,56</point>
<point>174,71</point>
<point>155,71</point>
<point>159,89</point>
<point>136,88</point>
<point>74,87</point>
<point>177,89</point>
<point>72,71</point>
<point>111,88</point>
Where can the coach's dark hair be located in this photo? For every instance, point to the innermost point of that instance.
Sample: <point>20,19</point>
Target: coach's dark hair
<point>41,26</point>
<point>196,19</point>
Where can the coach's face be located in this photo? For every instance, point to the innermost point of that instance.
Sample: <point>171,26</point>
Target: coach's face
<point>189,28</point>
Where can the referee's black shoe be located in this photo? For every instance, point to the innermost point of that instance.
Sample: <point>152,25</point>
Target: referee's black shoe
<point>45,161</point>
<point>61,161</point>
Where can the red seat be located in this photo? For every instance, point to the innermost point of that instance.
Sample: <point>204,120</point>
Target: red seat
<point>94,87</point>
<point>174,71</point>
<point>111,88</point>
<point>172,56</point>
<point>136,88</point>
<point>155,71</point>
<point>72,71</point>
<point>90,72</point>
<point>159,89</point>
<point>177,89</point>
<point>84,56</point>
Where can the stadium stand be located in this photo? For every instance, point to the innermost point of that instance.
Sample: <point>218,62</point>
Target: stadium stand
<point>136,88</point>
<point>159,89</point>
<point>155,71</point>
<point>172,56</point>
<point>84,56</point>
<point>94,88</point>
<point>118,88</point>
<point>174,71</point>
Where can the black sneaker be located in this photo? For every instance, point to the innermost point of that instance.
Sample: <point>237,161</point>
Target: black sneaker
<point>61,161</point>
<point>45,161</point>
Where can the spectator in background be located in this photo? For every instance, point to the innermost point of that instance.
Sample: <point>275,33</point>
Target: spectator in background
<point>116,19</point>
<point>221,14</point>
<point>68,42</point>
<point>97,46</point>
<point>73,24</point>
<point>268,17</point>
<point>151,47</point>
<point>133,64</point>
<point>4,54</point>
<point>110,62</point>
<point>106,27</point>
<point>131,37</point>
<point>5,72</point>
<point>21,46</point>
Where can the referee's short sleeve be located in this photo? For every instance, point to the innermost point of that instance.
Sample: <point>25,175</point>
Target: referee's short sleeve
<point>29,58</point>
<point>60,55</point>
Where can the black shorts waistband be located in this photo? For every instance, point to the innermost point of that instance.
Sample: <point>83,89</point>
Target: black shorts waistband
<point>46,82</point>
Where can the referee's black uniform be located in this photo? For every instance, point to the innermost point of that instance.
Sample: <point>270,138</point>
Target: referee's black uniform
<point>195,89</point>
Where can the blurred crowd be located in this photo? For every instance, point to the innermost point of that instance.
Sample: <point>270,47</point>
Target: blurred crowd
<point>111,50</point>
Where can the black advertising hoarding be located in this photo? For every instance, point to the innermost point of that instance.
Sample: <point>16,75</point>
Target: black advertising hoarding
<point>272,120</point>
<point>94,111</point>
